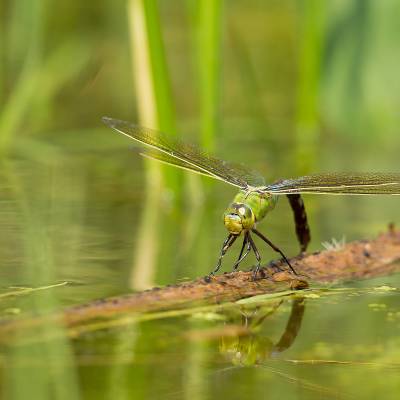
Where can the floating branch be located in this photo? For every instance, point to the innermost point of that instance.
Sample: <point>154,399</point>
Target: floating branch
<point>354,261</point>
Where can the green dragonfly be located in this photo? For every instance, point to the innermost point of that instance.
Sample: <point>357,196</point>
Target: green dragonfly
<point>255,198</point>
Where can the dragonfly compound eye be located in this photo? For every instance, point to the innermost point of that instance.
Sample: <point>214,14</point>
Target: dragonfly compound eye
<point>238,217</point>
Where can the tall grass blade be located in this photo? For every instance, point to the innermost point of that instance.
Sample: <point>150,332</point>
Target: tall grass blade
<point>155,108</point>
<point>310,66</point>
<point>209,65</point>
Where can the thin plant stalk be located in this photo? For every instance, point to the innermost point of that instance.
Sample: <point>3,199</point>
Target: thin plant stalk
<point>310,65</point>
<point>155,110</point>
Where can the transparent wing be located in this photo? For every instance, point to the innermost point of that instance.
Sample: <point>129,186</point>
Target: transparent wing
<point>339,183</point>
<point>188,155</point>
<point>166,159</point>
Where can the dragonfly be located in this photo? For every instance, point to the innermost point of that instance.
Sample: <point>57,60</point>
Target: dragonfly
<point>255,198</point>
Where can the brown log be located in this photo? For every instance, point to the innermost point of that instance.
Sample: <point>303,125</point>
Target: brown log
<point>354,261</point>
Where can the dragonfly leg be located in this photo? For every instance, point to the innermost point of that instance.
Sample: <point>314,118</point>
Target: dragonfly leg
<point>241,258</point>
<point>260,235</point>
<point>243,245</point>
<point>300,220</point>
<point>227,243</point>
<point>258,257</point>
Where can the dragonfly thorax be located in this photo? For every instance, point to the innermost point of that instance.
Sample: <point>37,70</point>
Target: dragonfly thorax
<point>239,217</point>
<point>247,209</point>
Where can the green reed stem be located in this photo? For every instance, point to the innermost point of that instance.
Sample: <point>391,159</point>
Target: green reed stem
<point>310,59</point>
<point>209,63</point>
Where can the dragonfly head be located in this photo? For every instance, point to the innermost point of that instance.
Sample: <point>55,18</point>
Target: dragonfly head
<point>239,217</point>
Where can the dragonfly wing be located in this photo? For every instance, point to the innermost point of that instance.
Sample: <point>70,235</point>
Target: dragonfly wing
<point>166,159</point>
<point>339,183</point>
<point>234,174</point>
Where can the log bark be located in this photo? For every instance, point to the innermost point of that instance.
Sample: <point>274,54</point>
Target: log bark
<point>354,261</point>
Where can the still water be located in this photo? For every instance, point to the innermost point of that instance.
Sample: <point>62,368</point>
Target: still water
<point>77,225</point>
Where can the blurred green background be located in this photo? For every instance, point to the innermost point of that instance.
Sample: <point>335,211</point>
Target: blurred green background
<point>286,87</point>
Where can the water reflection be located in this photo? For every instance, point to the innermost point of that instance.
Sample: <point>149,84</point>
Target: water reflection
<point>251,346</point>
